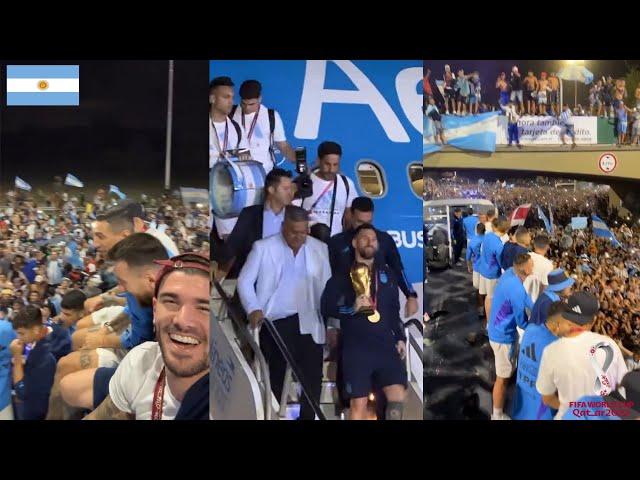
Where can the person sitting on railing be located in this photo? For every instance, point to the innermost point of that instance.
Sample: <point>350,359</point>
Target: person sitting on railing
<point>168,379</point>
<point>104,348</point>
<point>282,281</point>
<point>374,345</point>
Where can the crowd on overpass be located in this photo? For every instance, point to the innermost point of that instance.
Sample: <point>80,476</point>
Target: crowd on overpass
<point>459,93</point>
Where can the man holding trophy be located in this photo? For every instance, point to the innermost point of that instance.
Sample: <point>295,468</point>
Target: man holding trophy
<point>365,300</point>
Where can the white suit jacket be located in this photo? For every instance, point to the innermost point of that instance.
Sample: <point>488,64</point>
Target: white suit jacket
<point>262,272</point>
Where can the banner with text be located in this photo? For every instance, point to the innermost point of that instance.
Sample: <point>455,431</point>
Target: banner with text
<point>547,130</point>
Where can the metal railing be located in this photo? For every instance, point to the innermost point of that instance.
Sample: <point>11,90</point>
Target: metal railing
<point>262,369</point>
<point>292,366</point>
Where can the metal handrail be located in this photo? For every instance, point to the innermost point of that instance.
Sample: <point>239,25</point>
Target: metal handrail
<point>416,323</point>
<point>294,367</point>
<point>262,362</point>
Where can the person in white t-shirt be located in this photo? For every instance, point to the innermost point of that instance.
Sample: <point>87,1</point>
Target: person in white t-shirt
<point>542,267</point>
<point>263,126</point>
<point>154,377</point>
<point>580,363</point>
<point>225,135</point>
<point>325,179</point>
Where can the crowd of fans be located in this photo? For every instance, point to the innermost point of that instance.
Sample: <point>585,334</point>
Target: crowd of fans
<point>59,290</point>
<point>461,94</point>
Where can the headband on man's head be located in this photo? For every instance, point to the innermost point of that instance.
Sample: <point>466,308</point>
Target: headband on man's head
<point>177,263</point>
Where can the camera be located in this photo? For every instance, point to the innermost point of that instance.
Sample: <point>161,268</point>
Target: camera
<point>303,180</point>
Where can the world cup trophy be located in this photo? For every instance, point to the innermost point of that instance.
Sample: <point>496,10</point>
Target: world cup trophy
<point>361,281</point>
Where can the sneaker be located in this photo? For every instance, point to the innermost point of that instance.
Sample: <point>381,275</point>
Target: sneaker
<point>504,416</point>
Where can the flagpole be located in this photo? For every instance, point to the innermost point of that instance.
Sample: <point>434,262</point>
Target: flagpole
<point>167,161</point>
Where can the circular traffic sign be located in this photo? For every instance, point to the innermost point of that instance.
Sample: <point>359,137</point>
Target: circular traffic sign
<point>607,162</point>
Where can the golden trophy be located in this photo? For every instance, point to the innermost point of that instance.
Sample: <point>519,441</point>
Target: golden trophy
<point>361,281</point>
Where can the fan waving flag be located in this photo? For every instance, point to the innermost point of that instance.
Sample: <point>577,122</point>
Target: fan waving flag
<point>116,190</point>
<point>543,217</point>
<point>22,185</point>
<point>519,215</point>
<point>600,229</point>
<point>43,85</point>
<point>475,132</point>
<point>73,181</point>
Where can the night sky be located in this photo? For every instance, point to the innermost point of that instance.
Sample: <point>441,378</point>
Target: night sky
<point>117,134</point>
<point>489,70</point>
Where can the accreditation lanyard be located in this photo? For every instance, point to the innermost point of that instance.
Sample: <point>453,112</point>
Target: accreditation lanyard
<point>226,137</point>
<point>158,396</point>
<point>253,123</point>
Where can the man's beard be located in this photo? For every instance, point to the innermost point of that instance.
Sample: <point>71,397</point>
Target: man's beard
<point>365,255</point>
<point>178,368</point>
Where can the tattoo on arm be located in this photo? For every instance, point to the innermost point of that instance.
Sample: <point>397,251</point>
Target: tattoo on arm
<point>120,322</point>
<point>108,411</point>
<point>85,358</point>
<point>112,300</point>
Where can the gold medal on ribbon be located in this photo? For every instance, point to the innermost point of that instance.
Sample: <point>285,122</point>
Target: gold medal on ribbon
<point>374,317</point>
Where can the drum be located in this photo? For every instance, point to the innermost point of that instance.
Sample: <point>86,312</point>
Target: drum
<point>234,185</point>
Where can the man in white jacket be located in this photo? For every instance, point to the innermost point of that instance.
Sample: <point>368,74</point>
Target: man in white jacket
<point>282,281</point>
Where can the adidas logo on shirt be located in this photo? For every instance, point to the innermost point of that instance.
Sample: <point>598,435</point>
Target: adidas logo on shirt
<point>530,351</point>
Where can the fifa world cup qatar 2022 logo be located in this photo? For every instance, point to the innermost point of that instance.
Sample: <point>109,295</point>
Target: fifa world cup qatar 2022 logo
<point>602,383</point>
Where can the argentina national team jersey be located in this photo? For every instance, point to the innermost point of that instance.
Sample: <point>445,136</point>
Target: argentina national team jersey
<point>527,403</point>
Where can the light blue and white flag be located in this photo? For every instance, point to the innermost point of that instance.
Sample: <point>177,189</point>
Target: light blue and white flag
<point>600,229</point>
<point>474,132</point>
<point>194,195</point>
<point>73,181</point>
<point>116,190</point>
<point>22,185</point>
<point>551,217</point>
<point>42,85</point>
<point>544,218</point>
<point>578,223</point>
<point>428,139</point>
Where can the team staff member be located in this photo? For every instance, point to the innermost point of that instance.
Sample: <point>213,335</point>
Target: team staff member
<point>457,234</point>
<point>333,192</point>
<point>282,281</point>
<point>341,253</point>
<point>508,312</point>
<point>154,380</point>
<point>373,346</point>
<point>263,125</point>
<point>256,222</point>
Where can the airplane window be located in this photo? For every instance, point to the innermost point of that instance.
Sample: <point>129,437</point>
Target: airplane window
<point>371,179</point>
<point>416,179</point>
